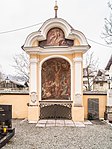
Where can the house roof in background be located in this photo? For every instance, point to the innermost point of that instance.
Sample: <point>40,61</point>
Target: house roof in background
<point>109,63</point>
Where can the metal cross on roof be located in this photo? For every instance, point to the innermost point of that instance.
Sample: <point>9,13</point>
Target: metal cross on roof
<point>56,8</point>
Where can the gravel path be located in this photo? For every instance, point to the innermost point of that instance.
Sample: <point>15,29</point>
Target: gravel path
<point>95,136</point>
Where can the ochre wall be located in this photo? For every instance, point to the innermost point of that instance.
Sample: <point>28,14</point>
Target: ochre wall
<point>19,104</point>
<point>69,56</point>
<point>20,109</point>
<point>102,104</point>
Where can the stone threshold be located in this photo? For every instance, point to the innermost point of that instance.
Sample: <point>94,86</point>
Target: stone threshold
<point>62,123</point>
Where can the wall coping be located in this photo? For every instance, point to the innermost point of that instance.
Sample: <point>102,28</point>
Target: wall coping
<point>4,92</point>
<point>94,93</point>
<point>27,92</point>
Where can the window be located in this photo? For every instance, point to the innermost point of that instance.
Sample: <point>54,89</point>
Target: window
<point>101,84</point>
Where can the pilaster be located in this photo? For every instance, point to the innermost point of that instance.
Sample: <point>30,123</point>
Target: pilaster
<point>33,107</point>
<point>78,81</point>
<point>33,81</point>
<point>77,107</point>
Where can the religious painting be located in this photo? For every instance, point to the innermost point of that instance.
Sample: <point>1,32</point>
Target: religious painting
<point>56,37</point>
<point>56,79</point>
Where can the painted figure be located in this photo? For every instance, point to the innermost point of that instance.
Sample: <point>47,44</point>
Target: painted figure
<point>55,37</point>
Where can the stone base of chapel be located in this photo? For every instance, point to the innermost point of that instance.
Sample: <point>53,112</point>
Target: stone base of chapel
<point>33,114</point>
<point>78,114</point>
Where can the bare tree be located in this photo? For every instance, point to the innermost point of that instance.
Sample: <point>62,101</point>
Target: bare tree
<point>90,69</point>
<point>107,32</point>
<point>21,64</point>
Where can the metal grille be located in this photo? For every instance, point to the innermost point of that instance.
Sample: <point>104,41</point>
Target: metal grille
<point>55,111</point>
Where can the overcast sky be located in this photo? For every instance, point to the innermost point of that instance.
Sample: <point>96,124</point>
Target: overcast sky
<point>86,16</point>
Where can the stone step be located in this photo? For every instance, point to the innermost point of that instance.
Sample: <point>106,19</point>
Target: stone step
<point>61,123</point>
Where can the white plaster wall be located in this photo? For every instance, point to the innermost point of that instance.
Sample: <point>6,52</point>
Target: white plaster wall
<point>110,74</point>
<point>109,97</point>
<point>97,87</point>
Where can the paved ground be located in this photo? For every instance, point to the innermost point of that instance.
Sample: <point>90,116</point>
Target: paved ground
<point>69,123</point>
<point>97,135</point>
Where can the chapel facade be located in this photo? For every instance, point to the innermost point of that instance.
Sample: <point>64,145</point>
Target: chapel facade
<point>56,71</point>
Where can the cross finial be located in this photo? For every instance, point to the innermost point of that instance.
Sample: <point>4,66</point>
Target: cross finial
<point>56,8</point>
